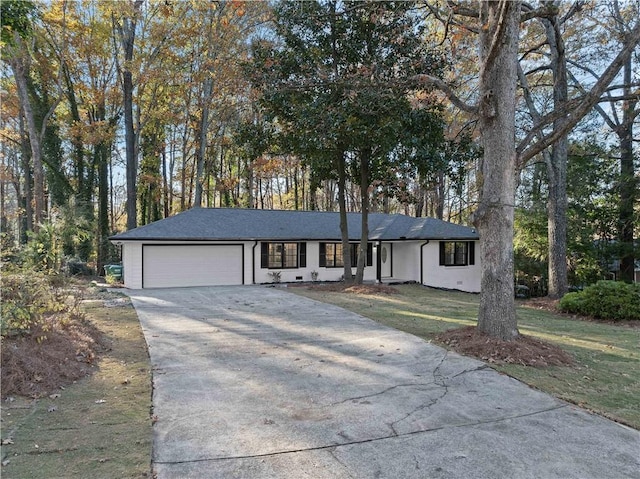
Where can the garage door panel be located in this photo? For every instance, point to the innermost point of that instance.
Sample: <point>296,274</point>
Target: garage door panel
<point>191,265</point>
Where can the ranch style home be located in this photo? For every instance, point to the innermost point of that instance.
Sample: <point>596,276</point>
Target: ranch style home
<point>232,246</point>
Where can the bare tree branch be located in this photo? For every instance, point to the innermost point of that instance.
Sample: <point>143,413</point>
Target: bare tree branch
<point>572,114</point>
<point>448,91</point>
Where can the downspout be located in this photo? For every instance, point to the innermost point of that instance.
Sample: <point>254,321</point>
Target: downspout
<point>422,261</point>
<point>253,262</point>
<point>379,261</point>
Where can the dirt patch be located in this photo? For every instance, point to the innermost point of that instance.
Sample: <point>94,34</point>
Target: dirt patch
<point>354,288</point>
<point>525,350</point>
<point>543,303</point>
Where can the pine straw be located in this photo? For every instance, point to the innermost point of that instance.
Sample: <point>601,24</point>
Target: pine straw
<point>525,350</point>
<point>34,368</point>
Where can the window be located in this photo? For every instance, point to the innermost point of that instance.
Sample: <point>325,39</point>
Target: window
<point>457,253</point>
<point>331,255</point>
<point>283,255</point>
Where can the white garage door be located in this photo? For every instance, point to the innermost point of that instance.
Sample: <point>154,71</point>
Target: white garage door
<point>165,266</point>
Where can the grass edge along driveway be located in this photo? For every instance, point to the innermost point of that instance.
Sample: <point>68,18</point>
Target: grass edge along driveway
<point>98,427</point>
<point>605,378</point>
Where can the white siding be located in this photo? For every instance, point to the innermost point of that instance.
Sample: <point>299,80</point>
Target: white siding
<point>406,261</point>
<point>132,264</point>
<point>304,274</point>
<point>406,266</point>
<point>463,278</point>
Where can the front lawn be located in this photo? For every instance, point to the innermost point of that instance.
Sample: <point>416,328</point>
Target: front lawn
<point>606,375</point>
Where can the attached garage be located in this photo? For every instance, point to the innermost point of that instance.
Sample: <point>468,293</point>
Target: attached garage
<point>235,246</point>
<point>175,265</point>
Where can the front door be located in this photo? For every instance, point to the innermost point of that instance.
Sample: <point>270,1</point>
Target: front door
<point>386,269</point>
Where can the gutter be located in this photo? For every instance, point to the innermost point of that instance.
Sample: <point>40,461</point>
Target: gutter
<point>253,263</point>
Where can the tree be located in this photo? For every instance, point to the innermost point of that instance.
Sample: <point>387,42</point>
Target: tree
<point>16,30</point>
<point>497,64</point>
<point>338,85</point>
<point>556,158</point>
<point>125,25</point>
<point>620,117</point>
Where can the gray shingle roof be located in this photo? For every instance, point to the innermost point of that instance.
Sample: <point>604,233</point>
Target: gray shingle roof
<point>233,224</point>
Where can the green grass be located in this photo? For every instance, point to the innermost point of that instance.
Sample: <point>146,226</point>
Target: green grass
<point>605,378</point>
<point>99,427</point>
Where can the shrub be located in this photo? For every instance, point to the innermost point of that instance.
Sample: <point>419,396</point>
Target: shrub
<point>28,299</point>
<point>612,300</point>
<point>572,303</point>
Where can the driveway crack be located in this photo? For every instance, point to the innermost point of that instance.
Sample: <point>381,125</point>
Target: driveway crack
<point>331,447</point>
<point>379,393</point>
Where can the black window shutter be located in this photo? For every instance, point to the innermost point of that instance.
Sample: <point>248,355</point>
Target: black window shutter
<point>302,251</point>
<point>354,255</point>
<point>322,262</point>
<point>442,254</point>
<point>264,256</point>
<point>472,252</point>
<point>369,254</point>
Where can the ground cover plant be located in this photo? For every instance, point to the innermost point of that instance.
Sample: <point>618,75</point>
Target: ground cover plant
<point>605,372</point>
<point>76,391</point>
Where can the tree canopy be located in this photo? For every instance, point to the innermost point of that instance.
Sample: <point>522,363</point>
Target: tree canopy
<point>116,114</point>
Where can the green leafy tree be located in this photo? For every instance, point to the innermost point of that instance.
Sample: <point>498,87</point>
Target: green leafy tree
<point>336,80</point>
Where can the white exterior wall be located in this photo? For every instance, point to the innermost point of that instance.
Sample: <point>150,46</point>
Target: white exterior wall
<point>313,261</point>
<point>132,259</point>
<point>406,261</point>
<point>132,264</point>
<point>406,265</point>
<point>463,278</point>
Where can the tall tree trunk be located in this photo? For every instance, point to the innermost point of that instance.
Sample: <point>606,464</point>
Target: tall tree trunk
<point>628,181</point>
<point>130,142</point>
<point>20,68</point>
<point>494,216</point>
<point>84,190</point>
<point>439,191</point>
<point>557,167</point>
<point>127,32</point>
<point>27,200</point>
<point>365,158</point>
<point>202,141</point>
<point>102,156</point>
<point>344,227</point>
<point>165,183</point>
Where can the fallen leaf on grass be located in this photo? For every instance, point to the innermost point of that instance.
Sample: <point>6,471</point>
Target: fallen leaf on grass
<point>5,462</point>
<point>52,409</point>
<point>54,396</point>
<point>7,441</point>
<point>100,401</point>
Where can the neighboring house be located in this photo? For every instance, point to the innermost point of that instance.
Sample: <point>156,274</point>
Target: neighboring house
<point>230,246</point>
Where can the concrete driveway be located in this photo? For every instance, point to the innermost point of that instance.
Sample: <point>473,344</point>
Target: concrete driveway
<point>256,382</point>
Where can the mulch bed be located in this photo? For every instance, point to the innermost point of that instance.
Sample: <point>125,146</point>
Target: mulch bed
<point>34,367</point>
<point>525,350</point>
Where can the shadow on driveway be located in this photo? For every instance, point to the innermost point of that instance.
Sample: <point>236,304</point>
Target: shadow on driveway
<point>255,382</point>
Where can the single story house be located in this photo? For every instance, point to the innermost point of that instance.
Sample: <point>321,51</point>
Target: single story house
<point>232,246</point>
